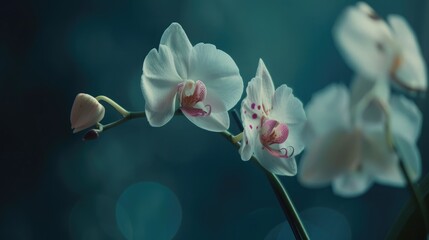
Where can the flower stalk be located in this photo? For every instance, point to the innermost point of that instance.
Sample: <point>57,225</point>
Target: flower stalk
<point>280,192</point>
<point>415,194</point>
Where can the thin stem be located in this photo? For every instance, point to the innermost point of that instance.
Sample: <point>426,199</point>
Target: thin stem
<point>410,185</point>
<point>282,196</point>
<point>112,103</point>
<point>129,116</point>
<point>280,192</point>
<point>286,203</point>
<point>415,194</point>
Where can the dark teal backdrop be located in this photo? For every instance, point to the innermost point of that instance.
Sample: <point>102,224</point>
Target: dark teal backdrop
<point>54,186</point>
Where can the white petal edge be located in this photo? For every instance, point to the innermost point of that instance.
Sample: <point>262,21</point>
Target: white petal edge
<point>159,86</point>
<point>412,72</point>
<point>219,73</point>
<point>329,109</point>
<point>277,166</point>
<point>267,85</point>
<point>369,101</point>
<point>249,135</point>
<point>352,184</point>
<point>406,118</point>
<point>159,119</point>
<point>159,80</point>
<point>175,38</point>
<point>286,107</point>
<point>360,38</point>
<point>329,157</point>
<point>215,122</point>
<point>410,155</point>
<point>380,161</point>
<point>295,138</point>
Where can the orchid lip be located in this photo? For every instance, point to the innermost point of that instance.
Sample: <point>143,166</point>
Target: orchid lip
<point>191,96</point>
<point>280,153</point>
<point>197,112</point>
<point>274,132</point>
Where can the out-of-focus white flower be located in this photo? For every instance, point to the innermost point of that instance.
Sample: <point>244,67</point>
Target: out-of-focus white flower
<point>272,120</point>
<point>204,81</point>
<point>86,112</point>
<point>351,152</point>
<point>380,51</point>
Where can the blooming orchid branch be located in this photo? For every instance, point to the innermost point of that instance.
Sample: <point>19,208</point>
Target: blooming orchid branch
<point>280,192</point>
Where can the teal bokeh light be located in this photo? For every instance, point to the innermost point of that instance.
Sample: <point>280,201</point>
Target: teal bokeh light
<point>321,224</point>
<point>148,210</point>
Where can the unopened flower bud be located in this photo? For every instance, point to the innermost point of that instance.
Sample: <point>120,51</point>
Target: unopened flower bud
<point>86,112</point>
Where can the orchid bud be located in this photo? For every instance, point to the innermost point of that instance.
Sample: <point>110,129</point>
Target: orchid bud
<point>91,135</point>
<point>86,112</point>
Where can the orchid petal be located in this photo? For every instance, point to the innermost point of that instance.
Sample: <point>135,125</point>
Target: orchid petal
<point>219,73</point>
<point>410,155</point>
<point>286,107</point>
<point>159,85</point>
<point>174,37</point>
<point>406,118</point>
<point>253,98</point>
<point>329,110</point>
<point>295,138</point>
<point>278,166</point>
<point>247,145</point>
<point>251,114</point>
<point>250,132</point>
<point>352,184</point>
<point>380,161</point>
<point>412,69</point>
<point>368,100</point>
<point>330,156</point>
<point>251,108</point>
<point>267,85</point>
<point>214,122</point>
<point>159,119</point>
<point>364,41</point>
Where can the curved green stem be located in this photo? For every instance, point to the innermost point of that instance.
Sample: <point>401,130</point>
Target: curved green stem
<point>112,103</point>
<point>282,196</point>
<point>415,194</point>
<point>280,192</point>
<point>129,116</point>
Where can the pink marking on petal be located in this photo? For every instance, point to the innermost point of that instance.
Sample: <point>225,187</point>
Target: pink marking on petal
<point>259,107</point>
<point>253,105</point>
<point>191,93</point>
<point>274,132</point>
<point>254,116</point>
<point>197,112</point>
<point>251,127</point>
<point>279,153</point>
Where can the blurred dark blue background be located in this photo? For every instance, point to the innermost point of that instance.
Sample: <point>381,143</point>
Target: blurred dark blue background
<point>54,186</point>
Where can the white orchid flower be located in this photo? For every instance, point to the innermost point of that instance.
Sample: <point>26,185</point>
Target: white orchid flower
<point>204,81</point>
<point>352,154</point>
<point>380,51</point>
<point>272,121</point>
